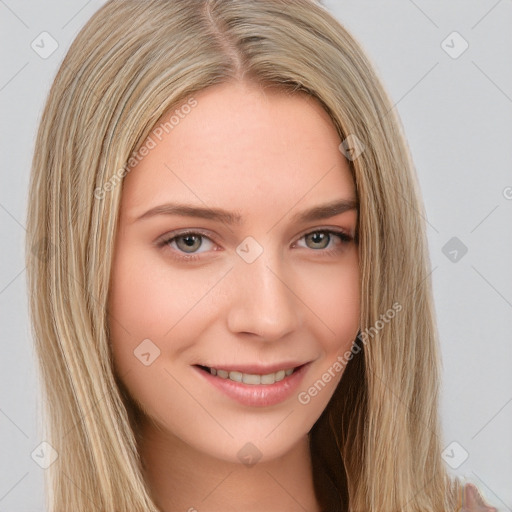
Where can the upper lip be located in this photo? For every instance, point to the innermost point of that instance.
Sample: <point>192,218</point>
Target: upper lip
<point>257,369</point>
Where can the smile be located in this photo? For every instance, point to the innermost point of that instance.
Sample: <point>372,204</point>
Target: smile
<point>255,389</point>
<point>250,378</point>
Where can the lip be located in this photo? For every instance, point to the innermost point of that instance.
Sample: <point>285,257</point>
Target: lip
<point>257,395</point>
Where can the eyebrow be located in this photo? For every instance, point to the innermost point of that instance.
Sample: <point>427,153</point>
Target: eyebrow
<point>318,212</point>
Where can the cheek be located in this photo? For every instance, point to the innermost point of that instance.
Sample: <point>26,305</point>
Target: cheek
<point>335,302</point>
<point>146,302</point>
<point>332,294</point>
<point>138,307</point>
<point>147,297</point>
<point>150,300</point>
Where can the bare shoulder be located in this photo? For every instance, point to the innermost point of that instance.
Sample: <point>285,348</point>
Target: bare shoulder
<point>472,500</point>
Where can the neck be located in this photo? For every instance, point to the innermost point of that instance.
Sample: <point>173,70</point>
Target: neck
<point>183,479</point>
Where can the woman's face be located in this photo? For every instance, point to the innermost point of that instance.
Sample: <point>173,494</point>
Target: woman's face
<point>274,290</point>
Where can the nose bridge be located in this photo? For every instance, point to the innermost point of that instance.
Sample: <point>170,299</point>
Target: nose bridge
<point>261,300</point>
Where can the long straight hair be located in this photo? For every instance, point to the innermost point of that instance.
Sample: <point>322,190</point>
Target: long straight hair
<point>377,446</point>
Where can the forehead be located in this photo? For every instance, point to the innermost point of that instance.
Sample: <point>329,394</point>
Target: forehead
<point>243,148</point>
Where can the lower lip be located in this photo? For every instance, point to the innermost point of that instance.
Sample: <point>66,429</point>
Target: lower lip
<point>257,395</point>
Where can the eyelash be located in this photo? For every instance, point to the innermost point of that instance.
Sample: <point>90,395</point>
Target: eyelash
<point>164,243</point>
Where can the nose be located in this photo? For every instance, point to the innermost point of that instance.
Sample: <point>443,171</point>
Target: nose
<point>262,299</point>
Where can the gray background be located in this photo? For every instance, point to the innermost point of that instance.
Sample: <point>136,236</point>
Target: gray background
<point>456,111</point>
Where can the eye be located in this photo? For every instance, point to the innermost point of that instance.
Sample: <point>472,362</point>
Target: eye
<point>320,239</point>
<point>185,246</point>
<point>188,243</point>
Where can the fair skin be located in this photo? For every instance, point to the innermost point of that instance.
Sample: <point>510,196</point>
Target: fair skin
<point>266,156</point>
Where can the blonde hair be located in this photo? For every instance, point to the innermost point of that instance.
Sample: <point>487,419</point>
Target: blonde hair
<point>377,446</point>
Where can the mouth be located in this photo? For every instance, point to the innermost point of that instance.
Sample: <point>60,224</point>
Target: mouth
<point>255,385</point>
<point>254,377</point>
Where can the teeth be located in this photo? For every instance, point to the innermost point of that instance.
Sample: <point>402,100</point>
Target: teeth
<point>252,379</point>
<point>279,375</point>
<point>236,376</point>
